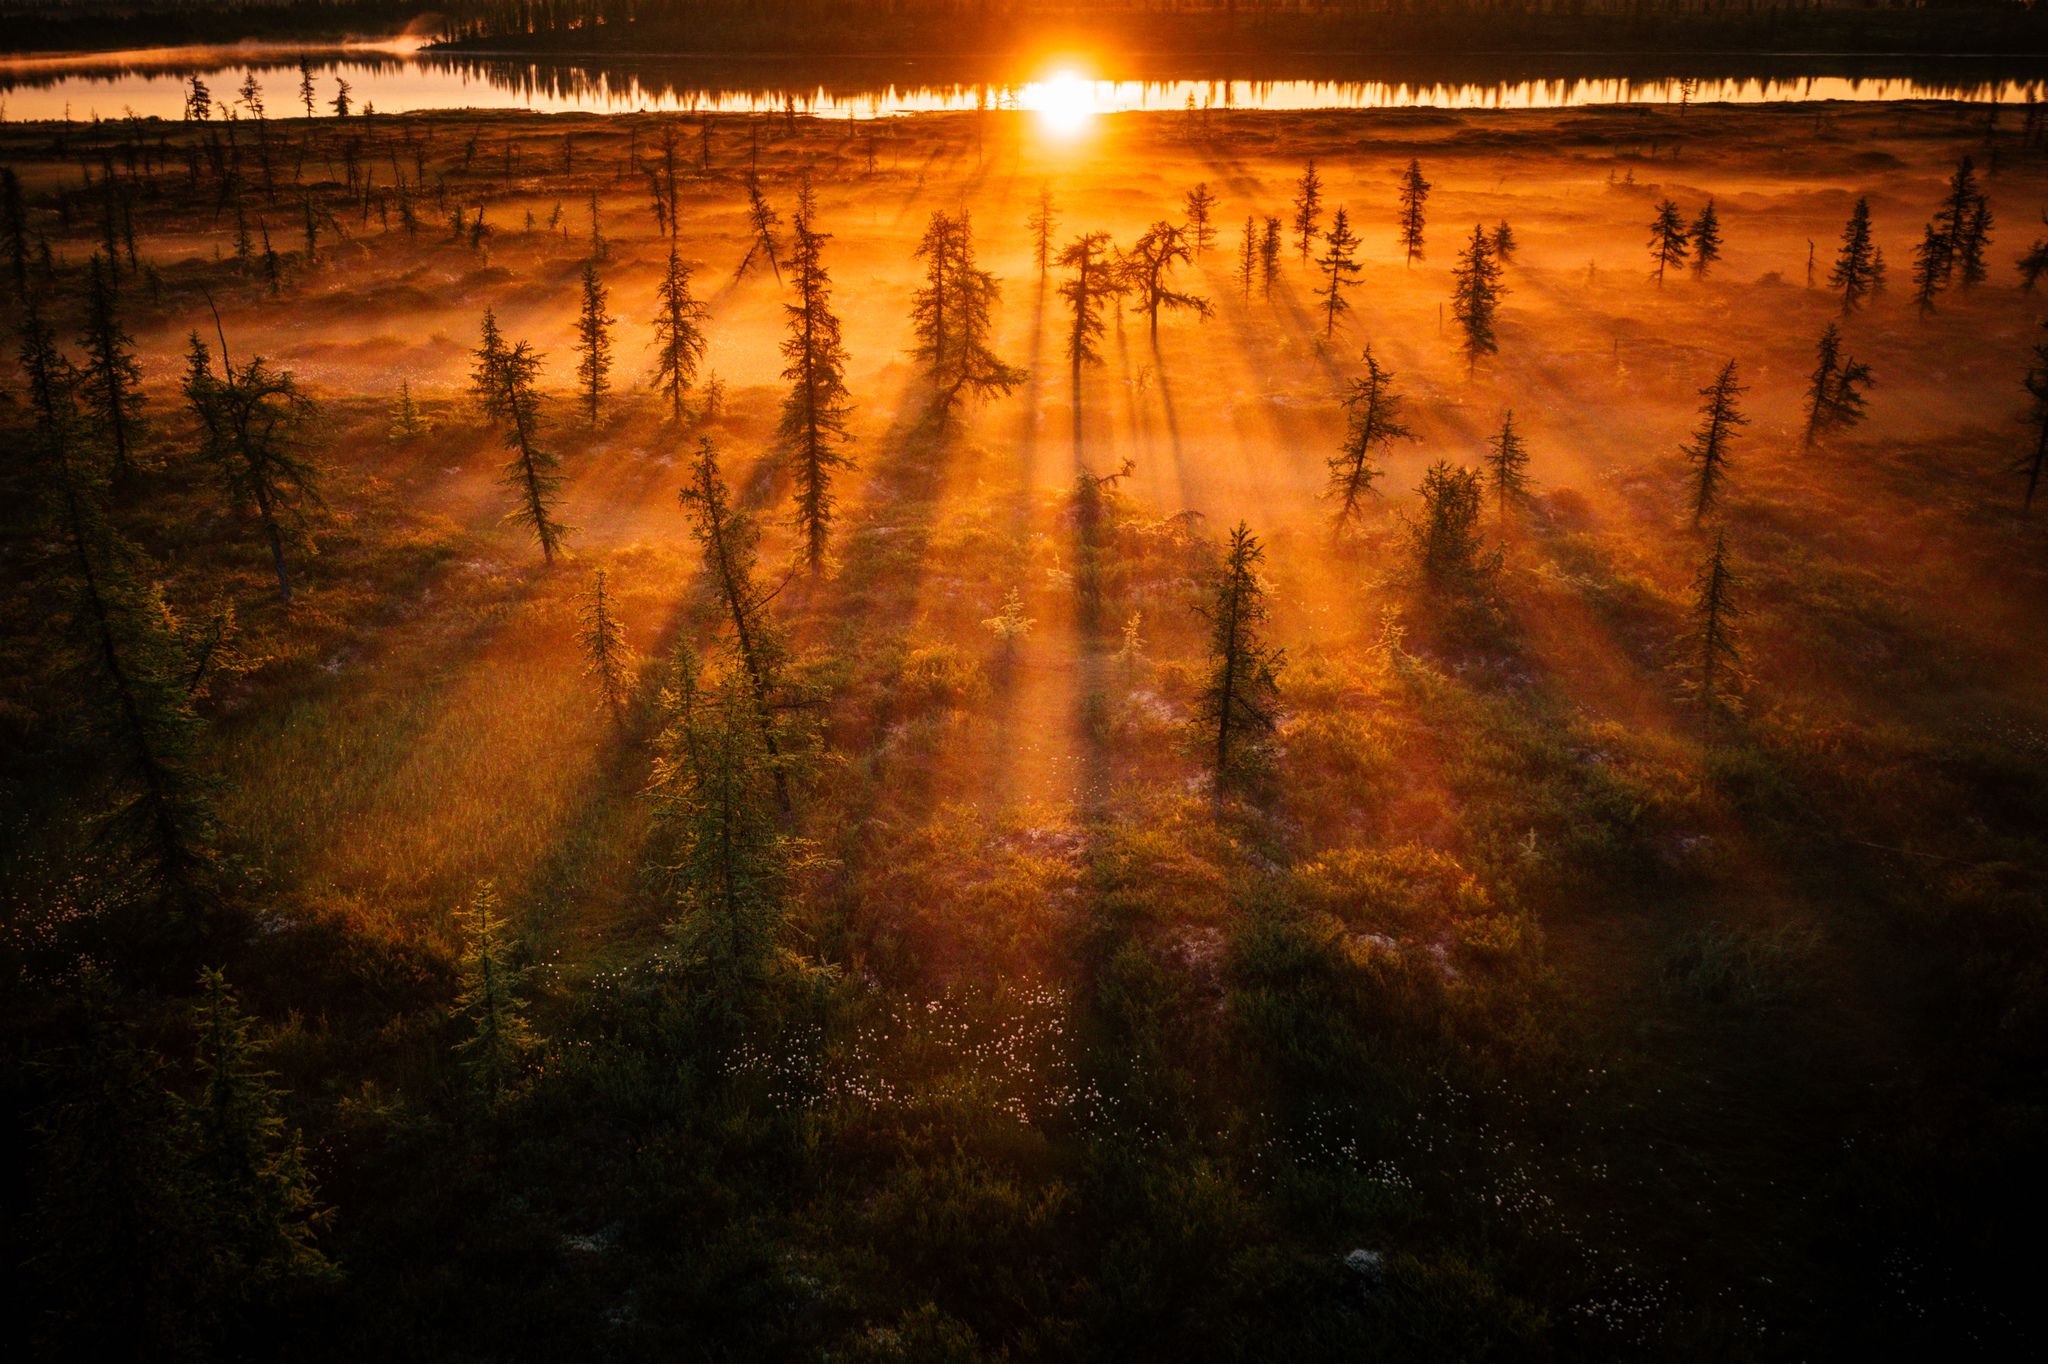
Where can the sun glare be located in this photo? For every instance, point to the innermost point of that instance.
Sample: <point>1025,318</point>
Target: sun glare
<point>1065,104</point>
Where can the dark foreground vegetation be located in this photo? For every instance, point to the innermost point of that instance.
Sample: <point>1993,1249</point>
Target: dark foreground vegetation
<point>515,862</point>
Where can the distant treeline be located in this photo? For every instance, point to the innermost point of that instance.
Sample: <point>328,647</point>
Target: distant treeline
<point>658,26</point>
<point>653,27</point>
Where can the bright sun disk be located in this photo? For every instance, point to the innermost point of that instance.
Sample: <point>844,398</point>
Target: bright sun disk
<point>1066,103</point>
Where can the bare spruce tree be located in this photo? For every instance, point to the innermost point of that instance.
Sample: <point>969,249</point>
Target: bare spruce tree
<point>1043,222</point>
<point>1146,270</point>
<point>1372,412</point>
<point>1238,704</point>
<point>1720,422</point>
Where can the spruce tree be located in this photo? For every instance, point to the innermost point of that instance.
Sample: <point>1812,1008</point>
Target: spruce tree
<point>1145,270</point>
<point>1248,257</point>
<point>594,327</point>
<point>678,333</point>
<point>1504,242</point>
<point>1372,411</point>
<point>1308,208</point>
<point>14,231</point>
<point>1414,198</point>
<point>1720,418</point>
<point>112,390</point>
<point>604,648</point>
<point>254,422</point>
<point>1858,270</point>
<point>1269,256</point>
<point>2034,463</point>
<point>1706,240</point>
<point>1043,222</point>
<point>407,421</point>
<point>1668,239</point>
<point>251,1166</point>
<point>2035,263</point>
<point>1336,260</point>
<point>1963,221</point>
<point>762,220</point>
<point>1096,282</point>
<point>953,314</point>
<point>1475,297</point>
<point>1200,206</point>
<point>1834,395</point>
<point>729,539</point>
<point>1933,266</point>
<point>125,669</point>
<point>1238,703</point>
<point>815,413</point>
<point>496,1035</point>
<point>1714,675</point>
<point>1971,245</point>
<point>505,381</point>
<point>1507,460</point>
<point>1447,541</point>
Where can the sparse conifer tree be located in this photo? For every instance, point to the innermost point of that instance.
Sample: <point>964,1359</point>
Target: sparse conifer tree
<point>815,413</point>
<point>1248,257</point>
<point>155,815</point>
<point>1713,677</point>
<point>1858,271</point>
<point>1200,206</point>
<point>1372,409</point>
<point>1720,420</point>
<point>1507,460</point>
<point>496,1033</point>
<point>1238,703</point>
<point>600,249</point>
<point>1964,224</point>
<point>953,314</point>
<point>2035,263</point>
<point>14,230</point>
<point>1504,243</point>
<point>341,103</point>
<point>1834,395</point>
<point>594,327</point>
<point>678,333</point>
<point>198,99</point>
<point>1933,266</point>
<point>1308,209</point>
<point>407,421</point>
<point>1475,297</point>
<point>1336,260</point>
<point>604,648</point>
<point>1706,240</point>
<point>1447,540</point>
<point>1413,217</point>
<point>728,538</point>
<point>505,381</point>
<point>1146,268</point>
<point>2032,464</point>
<point>1669,242</point>
<point>1096,282</point>
<point>1044,221</point>
<point>112,390</point>
<point>307,94</point>
<point>1972,244</point>
<point>254,423</point>
<point>762,220</point>
<point>1269,256</point>
<point>250,1164</point>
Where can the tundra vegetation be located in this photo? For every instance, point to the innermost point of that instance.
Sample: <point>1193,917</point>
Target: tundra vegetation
<point>727,737</point>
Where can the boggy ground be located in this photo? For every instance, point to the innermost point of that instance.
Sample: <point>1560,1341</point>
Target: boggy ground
<point>1610,1041</point>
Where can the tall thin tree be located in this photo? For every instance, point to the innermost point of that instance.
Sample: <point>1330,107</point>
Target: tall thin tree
<point>1714,674</point>
<point>1705,236</point>
<point>1414,197</point>
<point>1507,461</point>
<point>1146,269</point>
<point>1720,422</point>
<point>1372,411</point>
<point>1859,270</point>
<point>1669,240</point>
<point>679,341</point>
<point>254,424</point>
<point>1238,703</point>
<point>953,314</point>
<point>1475,297</point>
<point>815,413</point>
<point>1340,244</point>
<point>1308,208</point>
<point>113,380</point>
<point>594,327</point>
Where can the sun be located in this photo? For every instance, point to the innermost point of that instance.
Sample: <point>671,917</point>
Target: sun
<point>1065,104</point>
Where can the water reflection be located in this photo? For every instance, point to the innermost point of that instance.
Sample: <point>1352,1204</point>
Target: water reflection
<point>393,78</point>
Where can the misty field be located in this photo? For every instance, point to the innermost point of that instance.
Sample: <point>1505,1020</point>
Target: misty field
<point>1189,853</point>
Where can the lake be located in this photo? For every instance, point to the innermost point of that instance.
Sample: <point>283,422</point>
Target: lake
<point>399,77</point>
